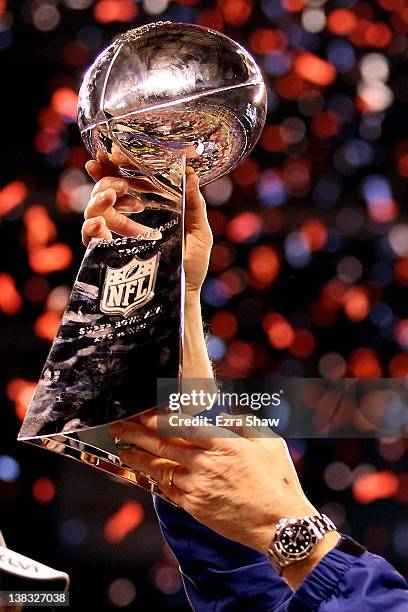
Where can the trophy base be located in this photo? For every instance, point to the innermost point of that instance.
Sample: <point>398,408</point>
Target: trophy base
<point>101,459</point>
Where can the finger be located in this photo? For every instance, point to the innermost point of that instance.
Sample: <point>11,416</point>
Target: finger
<point>161,470</point>
<point>237,425</point>
<point>120,185</point>
<point>207,437</point>
<point>144,439</point>
<point>101,167</point>
<point>95,228</point>
<point>196,211</point>
<point>102,204</point>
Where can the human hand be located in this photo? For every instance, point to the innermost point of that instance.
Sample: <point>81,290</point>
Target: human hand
<point>102,218</point>
<point>239,487</point>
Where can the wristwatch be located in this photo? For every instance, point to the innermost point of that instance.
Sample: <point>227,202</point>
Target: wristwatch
<point>295,538</point>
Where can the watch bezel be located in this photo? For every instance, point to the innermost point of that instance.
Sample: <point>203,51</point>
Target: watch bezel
<point>297,555</point>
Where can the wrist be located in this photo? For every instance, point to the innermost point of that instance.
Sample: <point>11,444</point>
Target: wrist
<point>263,535</point>
<point>192,298</point>
<point>297,572</point>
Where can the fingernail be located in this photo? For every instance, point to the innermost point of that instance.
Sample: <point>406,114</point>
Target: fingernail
<point>101,194</point>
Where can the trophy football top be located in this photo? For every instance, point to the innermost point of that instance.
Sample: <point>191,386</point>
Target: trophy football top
<point>175,87</point>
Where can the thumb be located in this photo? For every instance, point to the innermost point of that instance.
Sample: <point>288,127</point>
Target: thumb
<point>196,211</point>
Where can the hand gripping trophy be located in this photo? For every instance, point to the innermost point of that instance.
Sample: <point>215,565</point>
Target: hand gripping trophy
<point>159,97</point>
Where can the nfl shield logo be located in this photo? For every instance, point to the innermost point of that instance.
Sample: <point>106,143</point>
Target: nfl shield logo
<point>128,288</point>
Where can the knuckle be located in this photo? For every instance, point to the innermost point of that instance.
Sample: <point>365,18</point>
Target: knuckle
<point>162,447</point>
<point>103,184</point>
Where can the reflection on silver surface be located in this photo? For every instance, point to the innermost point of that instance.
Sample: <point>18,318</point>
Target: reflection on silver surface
<point>171,87</point>
<point>158,98</point>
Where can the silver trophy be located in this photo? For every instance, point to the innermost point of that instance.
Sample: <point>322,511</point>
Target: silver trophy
<point>159,97</point>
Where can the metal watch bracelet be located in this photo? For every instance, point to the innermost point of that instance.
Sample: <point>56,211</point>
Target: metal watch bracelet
<point>295,539</point>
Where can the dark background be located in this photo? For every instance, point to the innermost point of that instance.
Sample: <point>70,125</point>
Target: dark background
<point>308,275</point>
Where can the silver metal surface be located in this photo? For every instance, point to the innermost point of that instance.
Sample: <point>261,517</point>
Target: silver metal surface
<point>167,87</point>
<point>159,97</point>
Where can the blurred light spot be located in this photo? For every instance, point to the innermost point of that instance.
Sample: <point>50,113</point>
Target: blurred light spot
<point>222,255</point>
<point>127,518</point>
<point>73,531</point>
<point>78,4</point>
<point>155,7</point>
<point>10,300</point>
<point>216,347</point>
<point>12,195</point>
<point>341,21</point>
<point>106,11</point>
<point>246,173</point>
<point>297,250</point>
<point>364,363</point>
<point>236,12</point>
<point>391,450</point>
<point>264,266</point>
<point>167,579</point>
<point>279,331</point>
<point>315,234</point>
<point>57,298</point>
<point>400,540</point>
<point>20,392</point>
<point>337,476</point>
<point>356,303</point>
<point>341,54</point>
<point>9,469</point>
<point>40,229</point>
<point>45,17</point>
<point>398,366</point>
<point>303,344</point>
<point>277,62</point>
<point>271,189</point>
<point>367,488</point>
<point>401,333</point>
<point>349,269</point>
<point>245,226</point>
<point>263,40</point>
<point>398,239</point>
<point>219,191</point>
<point>314,69</point>
<point>374,96</point>
<point>121,592</point>
<point>325,124</point>
<point>313,20</point>
<point>332,365</point>
<point>44,260</point>
<point>374,67</point>
<point>43,490</point>
<point>64,102</point>
<point>240,355</point>
<point>224,324</point>
<point>215,293</point>
<point>381,314</point>
<point>46,325</point>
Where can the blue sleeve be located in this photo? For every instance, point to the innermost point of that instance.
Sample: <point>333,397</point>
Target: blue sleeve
<point>351,584</point>
<point>219,574</point>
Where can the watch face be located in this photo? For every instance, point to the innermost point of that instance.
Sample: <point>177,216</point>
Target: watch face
<point>296,541</point>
